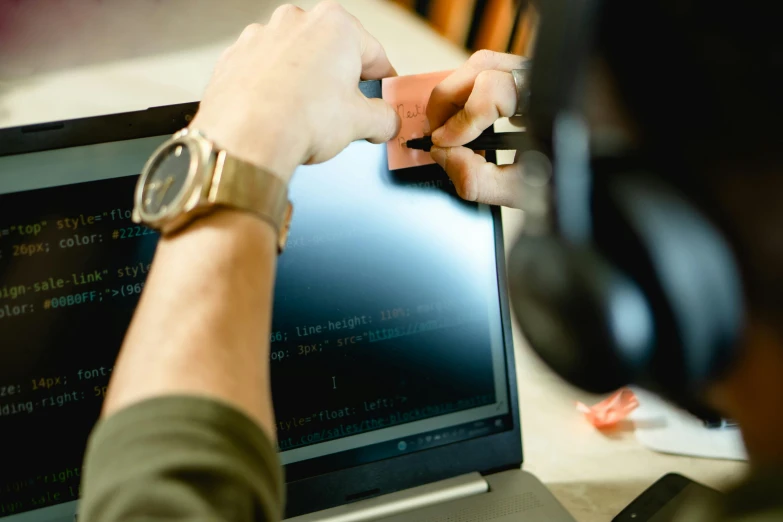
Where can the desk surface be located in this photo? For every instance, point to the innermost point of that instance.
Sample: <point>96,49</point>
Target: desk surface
<point>83,58</point>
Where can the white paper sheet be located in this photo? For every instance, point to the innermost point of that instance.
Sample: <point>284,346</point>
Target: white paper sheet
<point>661,427</point>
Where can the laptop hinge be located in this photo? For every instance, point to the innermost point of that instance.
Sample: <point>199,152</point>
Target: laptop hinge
<point>401,501</point>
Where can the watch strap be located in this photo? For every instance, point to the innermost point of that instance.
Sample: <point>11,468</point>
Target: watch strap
<point>241,185</point>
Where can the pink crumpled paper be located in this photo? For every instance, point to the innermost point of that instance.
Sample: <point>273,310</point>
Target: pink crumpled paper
<point>610,411</point>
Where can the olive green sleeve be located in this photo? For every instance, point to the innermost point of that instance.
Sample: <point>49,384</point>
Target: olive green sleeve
<point>180,458</point>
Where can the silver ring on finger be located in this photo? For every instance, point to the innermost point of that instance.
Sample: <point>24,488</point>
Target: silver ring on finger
<point>522,82</point>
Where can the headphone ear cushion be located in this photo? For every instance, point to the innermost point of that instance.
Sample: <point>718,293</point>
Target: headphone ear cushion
<point>590,323</point>
<point>686,270</point>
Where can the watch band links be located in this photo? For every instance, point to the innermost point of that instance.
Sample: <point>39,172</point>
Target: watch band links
<point>242,185</point>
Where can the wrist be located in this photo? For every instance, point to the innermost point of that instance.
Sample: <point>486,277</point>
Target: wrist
<point>271,147</point>
<point>226,230</point>
<point>224,237</point>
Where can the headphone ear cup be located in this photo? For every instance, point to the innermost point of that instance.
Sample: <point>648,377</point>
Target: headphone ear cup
<point>686,270</point>
<point>590,323</point>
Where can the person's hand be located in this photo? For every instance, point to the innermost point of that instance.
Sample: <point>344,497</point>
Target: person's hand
<point>287,93</point>
<point>461,107</point>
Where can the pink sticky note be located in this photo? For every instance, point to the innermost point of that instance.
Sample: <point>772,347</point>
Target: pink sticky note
<point>409,96</point>
<point>611,410</point>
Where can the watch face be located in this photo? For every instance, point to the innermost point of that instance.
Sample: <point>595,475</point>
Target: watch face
<point>166,179</point>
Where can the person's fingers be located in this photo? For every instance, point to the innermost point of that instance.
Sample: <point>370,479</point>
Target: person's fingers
<point>283,13</point>
<point>494,96</point>
<point>450,95</point>
<point>248,33</point>
<point>375,120</point>
<point>375,63</point>
<point>478,180</point>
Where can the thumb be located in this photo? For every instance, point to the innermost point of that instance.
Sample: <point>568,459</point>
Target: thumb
<point>375,120</point>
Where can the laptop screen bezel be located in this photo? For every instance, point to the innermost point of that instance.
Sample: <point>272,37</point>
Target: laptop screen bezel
<point>489,453</point>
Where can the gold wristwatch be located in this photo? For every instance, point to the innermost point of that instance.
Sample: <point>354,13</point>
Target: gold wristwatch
<point>189,176</point>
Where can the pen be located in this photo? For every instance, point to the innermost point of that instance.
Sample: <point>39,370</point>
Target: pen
<point>486,141</point>
<point>720,423</point>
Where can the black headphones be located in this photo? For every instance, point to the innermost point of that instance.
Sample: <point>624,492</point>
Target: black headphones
<point>630,282</point>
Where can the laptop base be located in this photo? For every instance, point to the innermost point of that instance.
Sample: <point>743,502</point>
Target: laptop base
<point>513,495</point>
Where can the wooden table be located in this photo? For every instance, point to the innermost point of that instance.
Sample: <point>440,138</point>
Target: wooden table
<point>83,58</point>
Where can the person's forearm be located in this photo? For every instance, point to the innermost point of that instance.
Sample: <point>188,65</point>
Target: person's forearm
<point>202,325</point>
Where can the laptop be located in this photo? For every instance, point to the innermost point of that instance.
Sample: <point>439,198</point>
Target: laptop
<point>391,351</point>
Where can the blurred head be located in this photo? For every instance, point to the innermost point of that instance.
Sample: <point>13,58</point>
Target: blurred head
<point>700,83</point>
<point>697,88</point>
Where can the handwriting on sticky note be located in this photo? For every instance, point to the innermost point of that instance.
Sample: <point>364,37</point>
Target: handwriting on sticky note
<point>409,96</point>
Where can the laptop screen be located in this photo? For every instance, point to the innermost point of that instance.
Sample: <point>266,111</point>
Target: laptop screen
<point>387,335</point>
